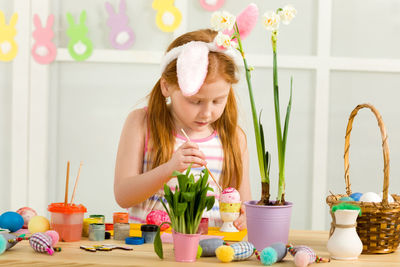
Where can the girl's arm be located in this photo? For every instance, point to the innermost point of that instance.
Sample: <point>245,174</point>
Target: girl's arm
<point>131,185</point>
<point>244,189</point>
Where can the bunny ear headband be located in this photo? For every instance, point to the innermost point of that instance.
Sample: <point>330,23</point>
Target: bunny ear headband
<point>192,57</point>
<point>192,64</point>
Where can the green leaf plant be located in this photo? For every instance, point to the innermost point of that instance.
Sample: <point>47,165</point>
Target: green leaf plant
<point>185,207</point>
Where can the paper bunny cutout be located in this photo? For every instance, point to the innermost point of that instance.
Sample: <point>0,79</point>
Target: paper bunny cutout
<point>80,47</point>
<point>121,35</point>
<point>8,46</point>
<point>43,50</point>
<point>211,5</point>
<point>168,17</point>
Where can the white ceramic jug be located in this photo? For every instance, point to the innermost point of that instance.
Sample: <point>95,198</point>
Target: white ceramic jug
<point>345,244</point>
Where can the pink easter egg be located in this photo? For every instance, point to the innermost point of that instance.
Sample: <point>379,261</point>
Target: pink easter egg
<point>157,217</point>
<point>55,237</point>
<point>26,213</point>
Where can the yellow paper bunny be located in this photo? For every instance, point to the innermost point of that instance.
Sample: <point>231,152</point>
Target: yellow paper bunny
<point>168,17</point>
<point>8,46</point>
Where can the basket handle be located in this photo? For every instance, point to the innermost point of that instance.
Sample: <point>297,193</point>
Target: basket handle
<point>384,147</point>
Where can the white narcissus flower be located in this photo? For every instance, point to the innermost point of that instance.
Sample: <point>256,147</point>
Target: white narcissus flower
<point>271,20</point>
<point>287,14</point>
<point>222,20</point>
<point>223,40</point>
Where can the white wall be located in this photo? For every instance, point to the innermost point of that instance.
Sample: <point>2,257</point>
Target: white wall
<point>76,109</point>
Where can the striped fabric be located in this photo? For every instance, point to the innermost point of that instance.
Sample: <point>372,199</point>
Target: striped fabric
<point>242,250</point>
<point>40,242</point>
<point>211,147</point>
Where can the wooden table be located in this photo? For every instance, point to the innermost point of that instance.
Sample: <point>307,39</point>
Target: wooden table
<point>71,255</point>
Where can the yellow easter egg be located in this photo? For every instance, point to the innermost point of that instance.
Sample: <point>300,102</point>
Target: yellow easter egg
<point>38,224</point>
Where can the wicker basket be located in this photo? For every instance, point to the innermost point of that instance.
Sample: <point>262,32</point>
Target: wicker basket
<point>379,224</point>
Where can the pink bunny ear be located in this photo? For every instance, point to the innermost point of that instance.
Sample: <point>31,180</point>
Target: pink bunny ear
<point>246,20</point>
<point>122,6</point>
<point>192,65</point>
<point>36,21</point>
<point>50,21</point>
<point>110,9</point>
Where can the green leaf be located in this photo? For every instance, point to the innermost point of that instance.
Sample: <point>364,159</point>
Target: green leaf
<point>210,200</point>
<point>176,173</point>
<point>182,181</point>
<point>168,194</point>
<point>288,109</point>
<point>180,208</point>
<point>158,248</point>
<point>188,196</point>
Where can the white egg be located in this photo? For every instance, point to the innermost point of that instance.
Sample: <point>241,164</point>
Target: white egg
<point>370,197</point>
<point>390,198</point>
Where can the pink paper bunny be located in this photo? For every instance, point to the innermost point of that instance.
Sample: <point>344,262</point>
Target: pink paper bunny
<point>43,50</point>
<point>121,35</point>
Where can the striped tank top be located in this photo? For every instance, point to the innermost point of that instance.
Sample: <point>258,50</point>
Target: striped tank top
<point>212,148</point>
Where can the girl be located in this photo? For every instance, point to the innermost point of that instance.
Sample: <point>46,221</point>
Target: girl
<point>195,94</point>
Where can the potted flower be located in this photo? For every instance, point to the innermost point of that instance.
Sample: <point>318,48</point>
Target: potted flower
<point>267,221</point>
<point>185,209</point>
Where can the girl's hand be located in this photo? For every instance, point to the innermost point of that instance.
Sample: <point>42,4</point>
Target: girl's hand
<point>188,153</point>
<point>240,223</point>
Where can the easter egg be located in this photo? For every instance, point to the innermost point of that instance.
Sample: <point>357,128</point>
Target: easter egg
<point>55,237</point>
<point>26,213</point>
<point>38,224</point>
<point>356,196</point>
<point>11,220</point>
<point>346,199</point>
<point>370,197</point>
<point>390,198</point>
<point>3,244</point>
<point>157,217</point>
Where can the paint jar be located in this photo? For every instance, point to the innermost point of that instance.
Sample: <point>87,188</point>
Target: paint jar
<point>121,231</point>
<point>120,217</point>
<point>67,220</point>
<point>98,216</point>
<point>86,223</point>
<point>203,226</point>
<point>97,231</point>
<point>109,226</point>
<point>149,232</point>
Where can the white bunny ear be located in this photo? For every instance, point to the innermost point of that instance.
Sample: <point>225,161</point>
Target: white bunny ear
<point>110,9</point>
<point>36,21</point>
<point>122,6</point>
<point>192,66</point>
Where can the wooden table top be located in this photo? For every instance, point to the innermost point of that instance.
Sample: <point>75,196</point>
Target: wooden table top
<point>143,255</point>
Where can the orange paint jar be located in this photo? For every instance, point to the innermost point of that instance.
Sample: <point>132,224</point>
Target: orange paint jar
<point>120,217</point>
<point>67,220</point>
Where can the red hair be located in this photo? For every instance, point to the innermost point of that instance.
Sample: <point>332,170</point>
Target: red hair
<point>160,122</point>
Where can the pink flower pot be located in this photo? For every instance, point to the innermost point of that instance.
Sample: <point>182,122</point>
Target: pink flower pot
<point>185,246</point>
<point>267,224</point>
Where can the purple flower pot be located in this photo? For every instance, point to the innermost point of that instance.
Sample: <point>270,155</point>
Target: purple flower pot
<point>267,224</point>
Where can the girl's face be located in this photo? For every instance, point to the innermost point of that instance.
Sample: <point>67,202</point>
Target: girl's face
<point>196,113</point>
